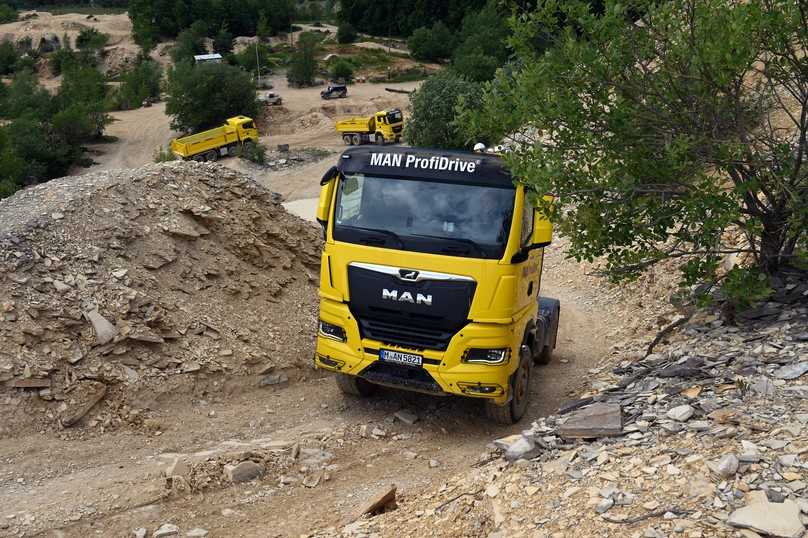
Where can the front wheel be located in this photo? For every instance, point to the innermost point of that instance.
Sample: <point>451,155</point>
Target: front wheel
<point>355,386</point>
<point>514,410</point>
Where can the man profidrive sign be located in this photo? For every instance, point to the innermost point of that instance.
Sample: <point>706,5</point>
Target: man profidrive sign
<point>434,162</point>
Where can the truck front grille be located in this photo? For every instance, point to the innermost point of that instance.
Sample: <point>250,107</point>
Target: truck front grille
<point>398,128</point>
<point>406,336</point>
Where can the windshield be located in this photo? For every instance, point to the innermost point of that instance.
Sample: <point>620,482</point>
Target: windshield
<point>424,216</point>
<point>394,116</point>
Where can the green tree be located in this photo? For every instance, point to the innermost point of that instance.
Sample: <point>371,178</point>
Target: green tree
<point>206,95</point>
<point>346,33</point>
<point>431,44</point>
<point>683,137</point>
<point>303,63</point>
<point>433,112</point>
<point>250,58</point>
<point>90,38</point>
<point>8,58</point>
<point>263,29</point>
<point>341,69</point>
<point>223,41</point>
<point>138,85</point>
<point>482,44</point>
<point>189,43</point>
<point>26,98</point>
<point>81,101</point>
<point>7,14</point>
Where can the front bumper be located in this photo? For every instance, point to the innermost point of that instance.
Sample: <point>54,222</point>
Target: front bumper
<point>443,372</point>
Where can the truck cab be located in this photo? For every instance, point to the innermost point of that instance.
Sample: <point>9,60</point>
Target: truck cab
<point>430,277</point>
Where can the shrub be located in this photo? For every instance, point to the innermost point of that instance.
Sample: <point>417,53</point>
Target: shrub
<point>346,33</point>
<point>164,155</point>
<point>62,60</point>
<point>256,153</point>
<point>433,111</point>
<point>341,70</point>
<point>7,13</point>
<point>205,95</point>
<point>90,38</point>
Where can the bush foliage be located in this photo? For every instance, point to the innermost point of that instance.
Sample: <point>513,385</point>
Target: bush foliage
<point>204,96</point>
<point>433,114</point>
<point>684,137</point>
<point>7,13</point>
<point>42,134</point>
<point>346,33</point>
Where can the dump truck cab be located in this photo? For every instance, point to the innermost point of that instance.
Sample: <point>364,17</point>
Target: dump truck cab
<point>244,127</point>
<point>430,277</point>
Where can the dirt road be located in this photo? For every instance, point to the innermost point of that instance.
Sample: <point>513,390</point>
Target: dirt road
<point>304,121</point>
<point>45,476</point>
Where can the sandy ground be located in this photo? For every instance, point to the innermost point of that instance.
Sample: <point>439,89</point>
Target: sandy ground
<point>44,478</point>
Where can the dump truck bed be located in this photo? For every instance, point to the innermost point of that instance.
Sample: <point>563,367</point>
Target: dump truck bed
<point>356,125</point>
<point>204,141</point>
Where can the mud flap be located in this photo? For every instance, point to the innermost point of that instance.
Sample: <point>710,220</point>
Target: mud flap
<point>549,313</point>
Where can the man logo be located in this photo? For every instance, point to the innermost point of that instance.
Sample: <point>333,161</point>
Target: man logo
<point>407,274</point>
<point>406,297</point>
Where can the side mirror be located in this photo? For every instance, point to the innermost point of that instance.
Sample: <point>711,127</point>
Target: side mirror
<point>327,184</point>
<point>542,227</point>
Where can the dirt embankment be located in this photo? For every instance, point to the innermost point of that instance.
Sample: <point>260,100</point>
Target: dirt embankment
<point>134,284</point>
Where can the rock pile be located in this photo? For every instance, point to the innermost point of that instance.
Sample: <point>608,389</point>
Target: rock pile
<point>706,437</point>
<point>119,281</point>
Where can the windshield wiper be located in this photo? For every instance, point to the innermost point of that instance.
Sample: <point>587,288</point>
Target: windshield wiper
<point>387,233</point>
<point>476,246</point>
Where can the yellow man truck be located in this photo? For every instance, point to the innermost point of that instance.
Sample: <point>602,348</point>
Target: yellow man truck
<point>430,277</point>
<point>234,136</point>
<point>382,127</point>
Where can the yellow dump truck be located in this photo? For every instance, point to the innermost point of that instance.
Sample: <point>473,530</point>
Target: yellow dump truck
<point>231,138</point>
<point>382,127</point>
<point>430,277</point>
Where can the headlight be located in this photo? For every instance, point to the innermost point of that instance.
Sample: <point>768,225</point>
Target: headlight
<point>334,332</point>
<point>487,356</point>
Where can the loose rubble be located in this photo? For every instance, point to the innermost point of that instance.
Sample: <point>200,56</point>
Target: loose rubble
<point>115,282</point>
<point>708,436</point>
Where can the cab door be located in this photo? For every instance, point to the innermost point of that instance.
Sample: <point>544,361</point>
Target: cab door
<point>529,270</point>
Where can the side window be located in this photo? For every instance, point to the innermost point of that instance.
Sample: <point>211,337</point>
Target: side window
<point>527,224</point>
<point>248,125</point>
<point>350,198</point>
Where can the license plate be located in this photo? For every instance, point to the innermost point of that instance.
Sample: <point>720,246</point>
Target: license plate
<point>398,357</point>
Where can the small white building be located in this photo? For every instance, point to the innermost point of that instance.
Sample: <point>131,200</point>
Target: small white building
<point>214,58</point>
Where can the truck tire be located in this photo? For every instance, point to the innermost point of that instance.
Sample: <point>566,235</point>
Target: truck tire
<point>346,139</point>
<point>198,158</point>
<point>550,309</point>
<point>212,155</point>
<point>355,386</point>
<point>379,140</point>
<point>514,410</point>
<point>355,140</point>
